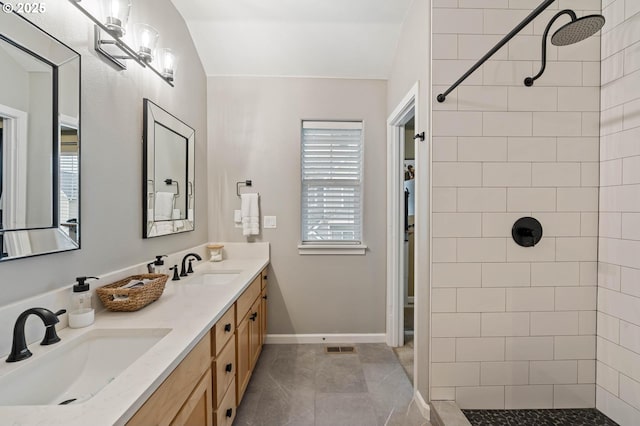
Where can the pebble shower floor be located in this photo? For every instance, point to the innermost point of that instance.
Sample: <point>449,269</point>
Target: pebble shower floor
<point>568,417</point>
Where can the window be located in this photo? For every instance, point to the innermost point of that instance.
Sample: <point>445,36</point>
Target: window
<point>331,167</point>
<point>68,186</point>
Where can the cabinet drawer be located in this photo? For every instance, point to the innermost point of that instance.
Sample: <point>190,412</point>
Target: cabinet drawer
<point>227,410</point>
<point>225,366</point>
<point>223,330</point>
<point>247,298</point>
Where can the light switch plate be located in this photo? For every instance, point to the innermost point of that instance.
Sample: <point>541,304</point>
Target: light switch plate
<point>269,222</point>
<point>237,218</point>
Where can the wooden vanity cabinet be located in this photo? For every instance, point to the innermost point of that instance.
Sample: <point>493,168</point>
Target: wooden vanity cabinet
<point>208,385</point>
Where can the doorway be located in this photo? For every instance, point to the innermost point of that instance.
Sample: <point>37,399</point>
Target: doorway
<point>402,193</point>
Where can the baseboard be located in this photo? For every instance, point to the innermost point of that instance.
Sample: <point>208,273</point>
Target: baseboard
<point>422,405</point>
<point>279,339</point>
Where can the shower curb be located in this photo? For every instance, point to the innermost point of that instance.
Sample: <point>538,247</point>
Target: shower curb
<point>447,413</point>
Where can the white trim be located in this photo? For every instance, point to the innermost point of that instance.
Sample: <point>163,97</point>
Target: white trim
<point>315,249</point>
<point>14,197</point>
<point>395,240</point>
<point>422,405</point>
<point>279,339</point>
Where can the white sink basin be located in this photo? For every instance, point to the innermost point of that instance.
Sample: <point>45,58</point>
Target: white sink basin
<point>216,278</point>
<point>220,278</point>
<point>73,372</point>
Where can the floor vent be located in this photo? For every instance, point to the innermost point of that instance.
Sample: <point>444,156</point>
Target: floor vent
<point>340,349</point>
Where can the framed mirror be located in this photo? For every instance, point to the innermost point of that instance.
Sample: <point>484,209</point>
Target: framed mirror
<point>39,141</point>
<point>168,173</point>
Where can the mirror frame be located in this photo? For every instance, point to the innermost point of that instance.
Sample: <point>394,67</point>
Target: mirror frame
<point>56,54</point>
<point>154,114</point>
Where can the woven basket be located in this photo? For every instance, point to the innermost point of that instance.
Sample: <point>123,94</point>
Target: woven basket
<point>138,298</point>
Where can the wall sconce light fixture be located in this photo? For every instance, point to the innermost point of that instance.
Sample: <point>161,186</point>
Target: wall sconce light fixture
<point>109,43</point>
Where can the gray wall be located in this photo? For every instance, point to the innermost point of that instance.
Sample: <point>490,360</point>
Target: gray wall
<point>411,65</point>
<point>254,133</point>
<point>111,152</point>
<point>11,92</point>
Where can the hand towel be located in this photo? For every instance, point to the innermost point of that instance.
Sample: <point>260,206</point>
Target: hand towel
<point>163,206</point>
<point>250,214</point>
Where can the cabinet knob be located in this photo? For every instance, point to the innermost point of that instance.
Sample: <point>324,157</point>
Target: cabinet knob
<point>264,297</point>
<point>264,277</point>
<point>229,412</point>
<point>228,368</point>
<point>253,316</point>
<point>227,328</point>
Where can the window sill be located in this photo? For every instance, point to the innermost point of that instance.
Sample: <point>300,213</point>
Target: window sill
<point>332,249</point>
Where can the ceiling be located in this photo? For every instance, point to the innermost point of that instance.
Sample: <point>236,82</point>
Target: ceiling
<point>310,38</point>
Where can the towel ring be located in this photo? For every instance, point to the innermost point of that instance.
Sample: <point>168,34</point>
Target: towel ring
<point>245,183</point>
<point>173,182</point>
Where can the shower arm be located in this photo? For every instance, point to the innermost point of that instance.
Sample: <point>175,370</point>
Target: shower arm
<point>529,80</point>
<point>537,11</point>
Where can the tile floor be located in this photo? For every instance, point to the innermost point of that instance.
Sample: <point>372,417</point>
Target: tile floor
<point>301,385</point>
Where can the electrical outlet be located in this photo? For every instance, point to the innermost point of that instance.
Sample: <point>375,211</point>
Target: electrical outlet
<point>269,222</point>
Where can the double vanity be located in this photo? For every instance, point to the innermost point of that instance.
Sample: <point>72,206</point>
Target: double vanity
<point>185,359</point>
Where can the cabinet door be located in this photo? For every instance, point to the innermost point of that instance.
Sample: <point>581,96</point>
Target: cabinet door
<point>167,400</point>
<point>263,317</point>
<point>198,409</point>
<point>255,329</point>
<point>264,297</point>
<point>243,363</point>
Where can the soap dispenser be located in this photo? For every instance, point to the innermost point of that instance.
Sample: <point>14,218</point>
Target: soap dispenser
<point>157,266</point>
<point>81,313</point>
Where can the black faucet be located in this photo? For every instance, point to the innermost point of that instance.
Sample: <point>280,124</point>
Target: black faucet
<point>183,271</point>
<point>19,350</point>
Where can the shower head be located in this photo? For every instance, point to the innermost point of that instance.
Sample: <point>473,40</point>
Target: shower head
<point>577,30</point>
<point>573,32</point>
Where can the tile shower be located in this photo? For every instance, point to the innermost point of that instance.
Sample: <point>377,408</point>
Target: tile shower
<point>514,327</point>
<point>557,325</point>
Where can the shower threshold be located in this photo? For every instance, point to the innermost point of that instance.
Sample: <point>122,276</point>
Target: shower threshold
<point>548,417</point>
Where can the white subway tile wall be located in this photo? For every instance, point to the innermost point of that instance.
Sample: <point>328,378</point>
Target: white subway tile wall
<point>618,321</point>
<point>515,327</point>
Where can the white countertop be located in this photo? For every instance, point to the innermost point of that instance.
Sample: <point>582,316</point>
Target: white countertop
<point>188,307</point>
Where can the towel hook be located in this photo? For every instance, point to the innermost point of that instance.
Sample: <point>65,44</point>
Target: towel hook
<point>245,183</point>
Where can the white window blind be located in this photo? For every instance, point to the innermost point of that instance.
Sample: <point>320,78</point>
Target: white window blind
<point>69,175</point>
<point>331,182</point>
